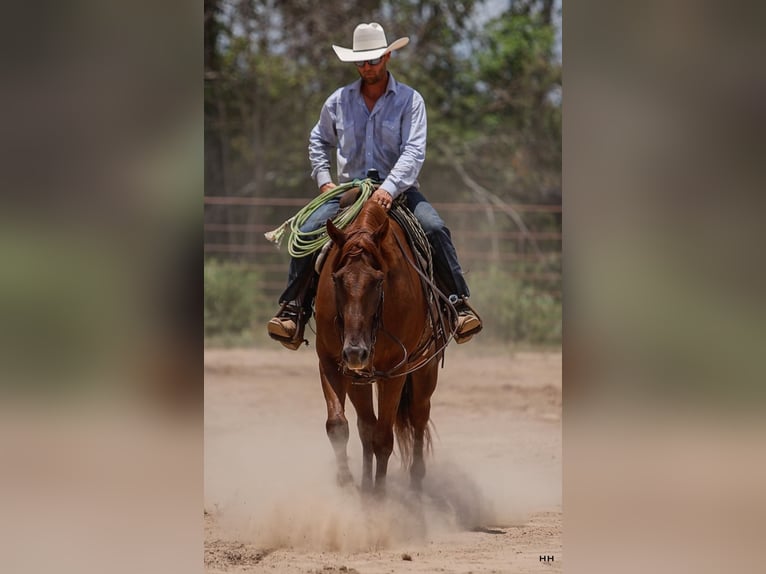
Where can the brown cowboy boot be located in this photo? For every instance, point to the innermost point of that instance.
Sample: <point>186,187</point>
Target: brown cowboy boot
<point>288,325</point>
<point>468,320</point>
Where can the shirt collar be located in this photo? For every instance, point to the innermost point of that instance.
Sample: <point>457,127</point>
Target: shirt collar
<point>393,85</point>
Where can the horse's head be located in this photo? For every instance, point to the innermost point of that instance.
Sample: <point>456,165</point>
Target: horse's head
<point>358,276</point>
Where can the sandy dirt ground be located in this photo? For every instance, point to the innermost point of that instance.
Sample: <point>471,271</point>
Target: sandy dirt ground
<point>491,499</point>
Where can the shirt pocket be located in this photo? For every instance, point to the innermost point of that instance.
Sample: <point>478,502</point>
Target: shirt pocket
<point>346,140</point>
<point>391,135</point>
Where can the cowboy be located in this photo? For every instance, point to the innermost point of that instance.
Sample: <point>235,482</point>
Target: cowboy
<point>376,123</point>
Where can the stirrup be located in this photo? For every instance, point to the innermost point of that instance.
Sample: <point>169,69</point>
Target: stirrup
<point>459,304</point>
<point>288,311</point>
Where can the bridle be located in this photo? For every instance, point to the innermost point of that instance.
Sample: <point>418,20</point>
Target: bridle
<point>411,362</point>
<point>376,325</point>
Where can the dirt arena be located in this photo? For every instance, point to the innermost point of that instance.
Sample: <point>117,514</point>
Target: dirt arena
<point>491,498</point>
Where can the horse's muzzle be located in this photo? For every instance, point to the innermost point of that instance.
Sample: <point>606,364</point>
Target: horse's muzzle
<point>356,357</point>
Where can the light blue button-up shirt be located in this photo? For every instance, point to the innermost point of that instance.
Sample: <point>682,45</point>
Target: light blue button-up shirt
<point>391,138</point>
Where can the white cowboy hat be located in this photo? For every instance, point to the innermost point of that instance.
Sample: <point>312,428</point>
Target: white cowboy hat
<point>369,44</point>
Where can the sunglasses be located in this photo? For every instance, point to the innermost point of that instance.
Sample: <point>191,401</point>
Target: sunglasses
<point>374,62</point>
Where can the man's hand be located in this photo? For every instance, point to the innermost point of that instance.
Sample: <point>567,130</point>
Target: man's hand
<point>327,187</point>
<point>383,198</point>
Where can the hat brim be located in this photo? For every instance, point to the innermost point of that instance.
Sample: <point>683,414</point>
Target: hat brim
<point>346,55</point>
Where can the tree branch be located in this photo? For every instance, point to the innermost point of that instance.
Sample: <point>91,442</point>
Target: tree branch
<point>486,197</point>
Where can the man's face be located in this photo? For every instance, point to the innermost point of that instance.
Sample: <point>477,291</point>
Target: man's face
<point>373,74</point>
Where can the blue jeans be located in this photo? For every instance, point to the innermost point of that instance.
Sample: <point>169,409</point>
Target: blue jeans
<point>447,270</point>
<point>449,275</point>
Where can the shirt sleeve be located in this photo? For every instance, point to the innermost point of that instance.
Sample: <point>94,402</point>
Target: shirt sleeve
<point>322,140</point>
<point>405,172</point>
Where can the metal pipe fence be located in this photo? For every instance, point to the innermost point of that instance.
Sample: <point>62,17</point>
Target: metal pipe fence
<point>234,228</point>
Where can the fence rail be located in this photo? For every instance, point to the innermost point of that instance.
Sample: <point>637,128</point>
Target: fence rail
<point>234,228</point>
<point>441,206</point>
<point>465,255</point>
<point>261,228</point>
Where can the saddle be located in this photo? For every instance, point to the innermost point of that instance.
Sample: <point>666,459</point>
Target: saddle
<point>441,309</point>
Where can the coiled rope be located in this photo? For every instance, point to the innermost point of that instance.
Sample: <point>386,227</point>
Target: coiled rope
<point>414,233</point>
<point>301,244</point>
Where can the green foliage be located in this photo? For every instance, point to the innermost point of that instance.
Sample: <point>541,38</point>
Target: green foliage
<point>513,311</point>
<point>232,298</point>
<point>487,86</point>
<point>518,109</point>
<point>515,48</point>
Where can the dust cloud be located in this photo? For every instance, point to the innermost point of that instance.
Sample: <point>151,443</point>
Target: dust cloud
<point>274,487</point>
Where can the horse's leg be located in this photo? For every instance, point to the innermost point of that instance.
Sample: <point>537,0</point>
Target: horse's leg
<point>383,437</point>
<point>336,425</point>
<point>423,386</point>
<point>361,397</point>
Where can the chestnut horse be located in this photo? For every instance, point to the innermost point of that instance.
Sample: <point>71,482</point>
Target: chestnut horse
<point>372,326</point>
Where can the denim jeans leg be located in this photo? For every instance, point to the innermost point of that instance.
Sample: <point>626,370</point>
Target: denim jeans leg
<point>446,265</point>
<point>300,266</point>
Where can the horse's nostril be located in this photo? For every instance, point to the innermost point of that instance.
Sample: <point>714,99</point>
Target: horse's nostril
<point>355,355</point>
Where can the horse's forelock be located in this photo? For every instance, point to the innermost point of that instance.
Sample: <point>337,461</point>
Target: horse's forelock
<point>359,235</point>
<point>358,243</point>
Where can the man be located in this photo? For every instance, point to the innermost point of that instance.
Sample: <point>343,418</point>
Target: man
<point>374,123</point>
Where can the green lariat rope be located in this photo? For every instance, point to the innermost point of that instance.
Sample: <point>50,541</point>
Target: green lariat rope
<point>301,244</point>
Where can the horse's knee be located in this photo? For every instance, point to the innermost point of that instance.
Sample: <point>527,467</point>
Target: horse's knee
<point>337,430</point>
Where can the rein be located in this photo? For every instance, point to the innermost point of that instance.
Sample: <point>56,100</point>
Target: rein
<point>371,376</point>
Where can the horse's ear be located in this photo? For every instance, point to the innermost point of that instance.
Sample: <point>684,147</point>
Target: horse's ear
<point>337,236</point>
<point>381,231</point>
